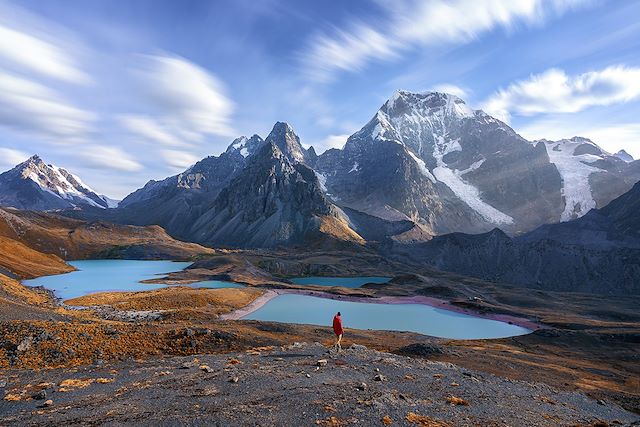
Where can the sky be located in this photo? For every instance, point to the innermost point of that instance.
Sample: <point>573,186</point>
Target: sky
<point>123,91</point>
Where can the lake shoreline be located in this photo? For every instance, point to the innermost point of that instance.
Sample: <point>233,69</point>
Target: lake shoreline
<point>416,299</point>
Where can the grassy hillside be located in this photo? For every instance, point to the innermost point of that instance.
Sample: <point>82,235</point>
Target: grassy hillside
<point>75,239</point>
<point>19,260</point>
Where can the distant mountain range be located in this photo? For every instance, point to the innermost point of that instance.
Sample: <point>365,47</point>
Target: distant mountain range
<point>36,185</point>
<point>424,165</point>
<point>623,155</point>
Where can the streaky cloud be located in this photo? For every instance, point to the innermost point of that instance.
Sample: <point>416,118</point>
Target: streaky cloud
<point>409,24</point>
<point>553,91</point>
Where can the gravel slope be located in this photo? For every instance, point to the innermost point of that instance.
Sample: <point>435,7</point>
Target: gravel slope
<point>285,386</point>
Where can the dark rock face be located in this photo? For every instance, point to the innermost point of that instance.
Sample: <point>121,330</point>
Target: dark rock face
<point>383,180</point>
<point>599,252</point>
<point>283,137</point>
<point>272,202</point>
<point>35,185</point>
<point>178,201</point>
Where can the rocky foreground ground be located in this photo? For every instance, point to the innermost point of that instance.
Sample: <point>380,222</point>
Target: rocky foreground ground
<point>296,385</point>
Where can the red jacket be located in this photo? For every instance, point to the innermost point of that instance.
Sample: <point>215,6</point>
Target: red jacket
<point>337,325</point>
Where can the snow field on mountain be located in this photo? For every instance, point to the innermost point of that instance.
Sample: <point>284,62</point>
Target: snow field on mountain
<point>575,177</point>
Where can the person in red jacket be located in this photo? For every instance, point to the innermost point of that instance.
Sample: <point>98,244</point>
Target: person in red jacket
<point>338,329</point>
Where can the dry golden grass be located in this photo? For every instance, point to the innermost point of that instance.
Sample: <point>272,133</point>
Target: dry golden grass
<point>28,263</point>
<point>339,229</point>
<point>458,401</point>
<point>26,393</point>
<point>82,339</point>
<point>333,422</point>
<point>14,397</point>
<point>14,289</point>
<point>173,298</point>
<point>72,384</point>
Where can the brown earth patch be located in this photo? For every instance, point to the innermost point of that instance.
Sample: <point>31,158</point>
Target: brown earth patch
<point>173,298</point>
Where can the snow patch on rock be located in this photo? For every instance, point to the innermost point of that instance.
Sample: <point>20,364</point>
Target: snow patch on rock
<point>470,195</point>
<point>475,165</point>
<point>322,180</point>
<point>422,166</point>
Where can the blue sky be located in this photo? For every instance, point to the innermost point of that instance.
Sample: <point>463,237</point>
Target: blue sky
<point>120,92</point>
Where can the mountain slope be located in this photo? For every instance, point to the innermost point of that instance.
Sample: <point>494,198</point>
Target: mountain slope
<point>39,186</point>
<point>599,252</point>
<point>175,203</point>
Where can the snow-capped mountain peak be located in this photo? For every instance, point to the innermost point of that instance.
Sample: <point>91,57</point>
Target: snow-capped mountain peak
<point>477,168</point>
<point>55,188</point>
<point>624,156</point>
<point>427,104</point>
<point>428,117</point>
<point>429,125</point>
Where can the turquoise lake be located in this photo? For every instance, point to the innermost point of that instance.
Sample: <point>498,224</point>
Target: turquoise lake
<point>347,282</point>
<point>419,318</point>
<point>115,275</point>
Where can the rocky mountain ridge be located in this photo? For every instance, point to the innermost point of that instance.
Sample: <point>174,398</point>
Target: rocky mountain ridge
<point>275,200</point>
